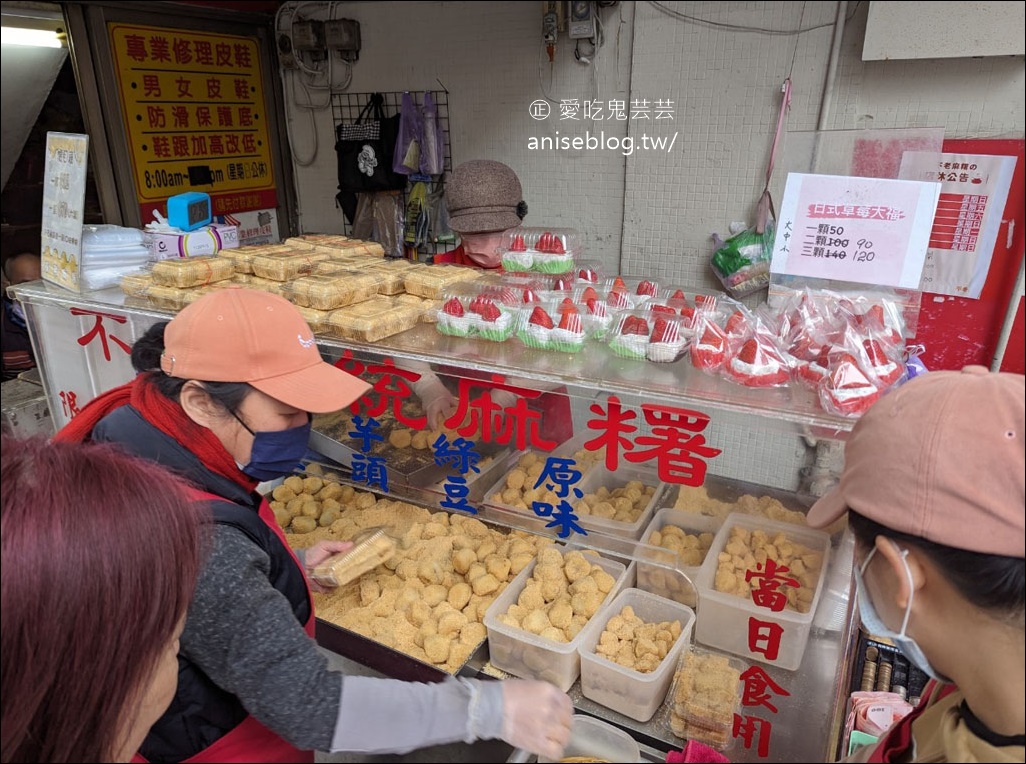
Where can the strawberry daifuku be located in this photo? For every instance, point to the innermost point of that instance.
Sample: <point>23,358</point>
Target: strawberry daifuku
<point>757,365</point>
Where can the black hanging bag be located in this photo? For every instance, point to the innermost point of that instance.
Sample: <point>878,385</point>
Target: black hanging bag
<point>365,151</point>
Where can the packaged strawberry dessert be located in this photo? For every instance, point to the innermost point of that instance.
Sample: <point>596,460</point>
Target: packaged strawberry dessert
<point>629,339</point>
<point>536,330</point>
<point>540,249</point>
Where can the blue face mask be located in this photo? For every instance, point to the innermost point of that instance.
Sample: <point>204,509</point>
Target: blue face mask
<point>276,454</point>
<point>872,621</point>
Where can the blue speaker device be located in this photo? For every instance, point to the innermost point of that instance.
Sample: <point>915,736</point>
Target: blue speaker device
<point>189,211</point>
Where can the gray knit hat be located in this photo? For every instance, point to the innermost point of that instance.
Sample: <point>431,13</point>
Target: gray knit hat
<point>483,196</point>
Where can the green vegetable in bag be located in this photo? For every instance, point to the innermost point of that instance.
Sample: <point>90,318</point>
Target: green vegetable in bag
<point>742,262</point>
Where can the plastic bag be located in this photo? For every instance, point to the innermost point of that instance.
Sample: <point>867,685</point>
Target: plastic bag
<point>363,220</point>
<point>388,223</point>
<point>742,263</point>
<point>406,159</point>
<point>416,216</point>
<point>441,233</point>
<point>432,144</point>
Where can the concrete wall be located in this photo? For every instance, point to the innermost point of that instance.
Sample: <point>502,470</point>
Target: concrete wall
<point>651,213</point>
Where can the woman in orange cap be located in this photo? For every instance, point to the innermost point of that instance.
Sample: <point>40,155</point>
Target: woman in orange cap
<point>223,397</point>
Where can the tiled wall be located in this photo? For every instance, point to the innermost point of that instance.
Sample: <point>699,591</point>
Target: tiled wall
<point>651,213</point>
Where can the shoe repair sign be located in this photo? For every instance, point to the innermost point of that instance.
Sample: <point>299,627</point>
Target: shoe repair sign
<point>195,117</point>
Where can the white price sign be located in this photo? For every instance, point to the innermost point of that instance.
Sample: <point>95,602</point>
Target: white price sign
<point>862,230</point>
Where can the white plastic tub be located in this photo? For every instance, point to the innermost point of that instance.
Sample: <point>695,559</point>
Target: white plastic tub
<point>724,621</point>
<point>662,580</point>
<point>595,477</point>
<point>596,739</point>
<point>632,693</point>
<point>528,655</point>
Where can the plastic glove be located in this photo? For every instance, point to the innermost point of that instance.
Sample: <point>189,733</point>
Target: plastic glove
<point>439,404</point>
<point>314,555</point>
<point>504,399</point>
<point>536,716</point>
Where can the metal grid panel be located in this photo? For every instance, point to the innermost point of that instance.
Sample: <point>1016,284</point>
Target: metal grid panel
<point>346,107</point>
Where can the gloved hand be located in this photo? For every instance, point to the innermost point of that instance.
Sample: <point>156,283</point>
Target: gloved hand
<point>536,716</point>
<point>318,553</point>
<point>439,404</point>
<point>504,399</point>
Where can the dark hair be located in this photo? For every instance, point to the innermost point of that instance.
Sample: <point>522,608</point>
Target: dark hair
<point>101,552</point>
<point>521,209</point>
<point>992,582</point>
<point>146,353</point>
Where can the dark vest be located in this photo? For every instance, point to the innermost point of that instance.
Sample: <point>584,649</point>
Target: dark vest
<point>201,712</point>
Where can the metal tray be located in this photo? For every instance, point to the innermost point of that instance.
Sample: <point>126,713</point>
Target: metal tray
<point>414,467</point>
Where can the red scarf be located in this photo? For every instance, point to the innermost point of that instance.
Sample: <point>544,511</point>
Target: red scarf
<point>164,414</point>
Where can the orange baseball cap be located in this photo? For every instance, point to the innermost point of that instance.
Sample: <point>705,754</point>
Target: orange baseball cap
<point>242,335</point>
<point>941,458</point>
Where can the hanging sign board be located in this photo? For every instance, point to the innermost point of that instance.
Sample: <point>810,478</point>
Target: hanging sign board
<point>861,230</point>
<point>194,111</point>
<point>974,189</point>
<point>64,185</point>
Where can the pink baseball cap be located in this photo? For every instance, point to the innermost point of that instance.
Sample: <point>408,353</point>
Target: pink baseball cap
<point>242,335</point>
<point>941,458</point>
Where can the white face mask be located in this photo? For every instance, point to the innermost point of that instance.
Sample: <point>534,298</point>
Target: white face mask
<point>872,621</point>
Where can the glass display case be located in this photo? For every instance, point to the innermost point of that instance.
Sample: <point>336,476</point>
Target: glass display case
<point>600,425</point>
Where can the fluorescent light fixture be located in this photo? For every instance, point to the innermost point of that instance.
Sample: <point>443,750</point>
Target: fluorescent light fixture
<point>39,38</point>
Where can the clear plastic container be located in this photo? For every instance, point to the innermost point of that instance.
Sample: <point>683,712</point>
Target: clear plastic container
<point>552,325</point>
<point>318,320</point>
<point>595,478</point>
<point>544,250</point>
<point>600,477</point>
<point>392,272</point>
<point>625,293</point>
<point>332,292</point>
<point>248,281</point>
<point>588,272</point>
<point>286,266</point>
<point>629,336</point>
<point>184,272</point>
<point>627,691</point>
<point>478,309</point>
<point>135,284</point>
<point>431,281</point>
<point>658,579</point>
<point>724,622</point>
<point>170,297</point>
<point>373,319</point>
<point>242,257</point>
<point>593,739</point>
<point>372,548</point>
<point>704,697</point>
<point>529,655</point>
<point>596,313</point>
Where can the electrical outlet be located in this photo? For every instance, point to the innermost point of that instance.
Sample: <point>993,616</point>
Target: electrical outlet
<point>557,7</point>
<point>343,35</point>
<point>549,28</point>
<point>582,19</point>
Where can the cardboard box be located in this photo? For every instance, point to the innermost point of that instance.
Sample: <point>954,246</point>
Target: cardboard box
<point>25,411</point>
<point>208,240</point>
